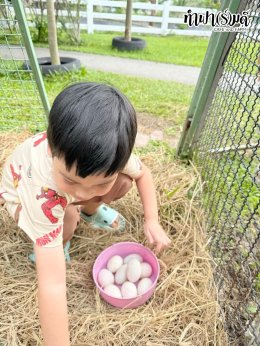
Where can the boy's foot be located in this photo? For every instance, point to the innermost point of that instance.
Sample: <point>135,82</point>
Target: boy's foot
<point>66,253</point>
<point>105,218</point>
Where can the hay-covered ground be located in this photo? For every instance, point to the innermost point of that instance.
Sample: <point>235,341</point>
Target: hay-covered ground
<point>183,310</point>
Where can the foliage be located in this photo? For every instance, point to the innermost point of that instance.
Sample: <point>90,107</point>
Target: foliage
<point>69,24</point>
<point>198,3</point>
<point>73,19</point>
<point>40,31</point>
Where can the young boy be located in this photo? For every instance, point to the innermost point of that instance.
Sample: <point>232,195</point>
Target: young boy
<point>84,160</point>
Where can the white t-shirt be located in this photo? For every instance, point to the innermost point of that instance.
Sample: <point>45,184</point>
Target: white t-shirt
<point>27,180</point>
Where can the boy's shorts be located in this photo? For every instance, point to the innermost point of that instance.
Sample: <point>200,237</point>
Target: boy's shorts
<point>13,209</point>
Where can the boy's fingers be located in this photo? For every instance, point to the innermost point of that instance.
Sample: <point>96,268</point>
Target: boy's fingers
<point>168,241</point>
<point>149,237</point>
<point>162,245</point>
<point>158,248</point>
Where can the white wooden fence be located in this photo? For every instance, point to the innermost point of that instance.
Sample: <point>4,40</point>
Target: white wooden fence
<point>150,18</point>
<point>166,17</point>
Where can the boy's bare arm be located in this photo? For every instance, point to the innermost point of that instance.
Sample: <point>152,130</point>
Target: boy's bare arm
<point>51,272</point>
<point>147,193</point>
<point>153,231</point>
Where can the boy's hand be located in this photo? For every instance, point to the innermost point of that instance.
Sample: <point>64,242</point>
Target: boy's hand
<point>156,235</point>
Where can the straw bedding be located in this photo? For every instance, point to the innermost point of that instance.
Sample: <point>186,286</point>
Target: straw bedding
<point>184,309</point>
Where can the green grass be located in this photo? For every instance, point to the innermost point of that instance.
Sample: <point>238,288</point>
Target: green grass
<point>243,57</point>
<point>157,98</point>
<point>234,183</point>
<point>179,50</point>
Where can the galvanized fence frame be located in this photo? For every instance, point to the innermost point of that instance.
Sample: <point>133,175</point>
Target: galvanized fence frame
<point>27,104</point>
<point>222,136</point>
<point>211,70</point>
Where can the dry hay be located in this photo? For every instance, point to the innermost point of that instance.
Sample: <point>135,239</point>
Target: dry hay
<point>183,310</point>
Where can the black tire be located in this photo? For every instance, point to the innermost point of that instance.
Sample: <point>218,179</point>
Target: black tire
<point>134,44</point>
<point>67,64</point>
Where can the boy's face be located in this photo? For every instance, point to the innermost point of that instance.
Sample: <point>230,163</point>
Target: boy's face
<point>82,189</point>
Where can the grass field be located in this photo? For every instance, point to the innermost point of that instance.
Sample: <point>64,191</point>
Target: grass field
<point>163,99</point>
<point>179,50</point>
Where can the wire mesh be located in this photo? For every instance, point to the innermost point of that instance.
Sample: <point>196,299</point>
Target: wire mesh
<point>20,103</point>
<point>227,152</point>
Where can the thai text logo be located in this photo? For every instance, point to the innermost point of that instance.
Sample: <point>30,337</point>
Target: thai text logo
<point>220,21</point>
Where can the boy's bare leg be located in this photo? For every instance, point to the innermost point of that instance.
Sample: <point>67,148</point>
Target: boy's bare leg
<point>122,185</point>
<point>71,220</point>
<point>90,207</point>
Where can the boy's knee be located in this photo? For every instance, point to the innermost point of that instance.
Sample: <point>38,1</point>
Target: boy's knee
<point>71,220</point>
<point>122,185</point>
<point>127,183</point>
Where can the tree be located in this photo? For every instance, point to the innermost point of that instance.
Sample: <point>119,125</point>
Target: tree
<point>54,63</point>
<point>52,33</point>
<point>128,20</point>
<point>128,42</point>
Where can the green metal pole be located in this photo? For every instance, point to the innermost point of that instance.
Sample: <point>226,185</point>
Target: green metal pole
<point>209,68</point>
<point>20,15</point>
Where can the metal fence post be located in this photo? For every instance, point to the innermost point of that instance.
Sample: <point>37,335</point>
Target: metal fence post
<point>20,15</point>
<point>219,42</point>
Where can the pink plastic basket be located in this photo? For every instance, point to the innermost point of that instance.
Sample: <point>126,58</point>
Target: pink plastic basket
<point>123,249</point>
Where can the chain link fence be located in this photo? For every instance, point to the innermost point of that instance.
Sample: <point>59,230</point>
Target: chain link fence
<point>227,151</point>
<point>20,103</point>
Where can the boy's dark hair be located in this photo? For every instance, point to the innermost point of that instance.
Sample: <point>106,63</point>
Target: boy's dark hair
<point>94,126</point>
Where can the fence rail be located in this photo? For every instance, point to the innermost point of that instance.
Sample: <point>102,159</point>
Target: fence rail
<point>162,19</point>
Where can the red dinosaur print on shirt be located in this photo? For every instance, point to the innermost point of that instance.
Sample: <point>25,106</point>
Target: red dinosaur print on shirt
<point>41,139</point>
<point>53,199</point>
<point>16,177</point>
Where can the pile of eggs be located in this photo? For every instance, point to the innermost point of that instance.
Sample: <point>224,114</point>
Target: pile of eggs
<point>126,277</point>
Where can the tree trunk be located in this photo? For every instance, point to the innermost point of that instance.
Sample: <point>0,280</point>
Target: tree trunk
<point>153,12</point>
<point>52,33</point>
<point>128,20</point>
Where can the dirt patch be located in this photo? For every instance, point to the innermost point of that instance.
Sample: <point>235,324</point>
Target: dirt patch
<point>152,126</point>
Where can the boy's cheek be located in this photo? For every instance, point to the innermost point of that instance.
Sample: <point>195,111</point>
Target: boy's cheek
<point>62,187</point>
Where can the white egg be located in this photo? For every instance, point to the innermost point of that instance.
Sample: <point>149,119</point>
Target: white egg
<point>146,270</point>
<point>105,277</point>
<point>131,256</point>
<point>113,291</point>
<point>114,263</point>
<point>133,270</point>
<point>128,290</point>
<point>120,275</point>
<point>144,285</point>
